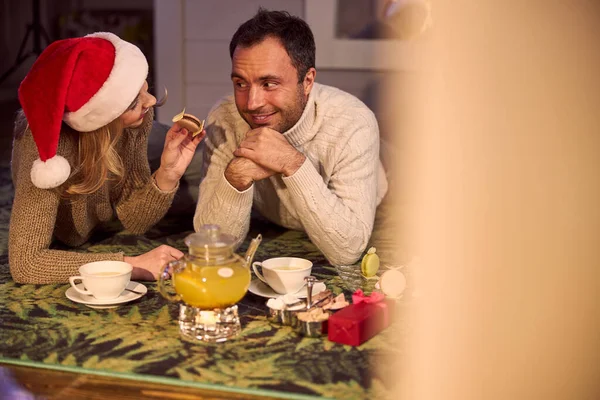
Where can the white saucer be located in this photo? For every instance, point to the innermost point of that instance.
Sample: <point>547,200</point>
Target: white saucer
<point>92,302</point>
<point>260,288</point>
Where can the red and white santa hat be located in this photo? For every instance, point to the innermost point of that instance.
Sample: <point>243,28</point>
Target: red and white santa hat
<point>87,82</point>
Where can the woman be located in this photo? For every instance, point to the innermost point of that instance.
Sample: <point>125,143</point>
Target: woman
<point>71,177</point>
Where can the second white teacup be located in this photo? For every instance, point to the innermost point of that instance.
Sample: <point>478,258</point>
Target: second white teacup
<point>283,274</point>
<point>105,280</point>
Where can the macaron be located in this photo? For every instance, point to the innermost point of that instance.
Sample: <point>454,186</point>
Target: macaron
<point>370,263</point>
<point>190,122</point>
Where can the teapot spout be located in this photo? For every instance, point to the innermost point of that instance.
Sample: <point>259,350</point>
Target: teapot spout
<point>252,249</point>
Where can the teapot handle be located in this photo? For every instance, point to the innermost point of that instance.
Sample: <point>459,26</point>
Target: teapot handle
<point>166,273</point>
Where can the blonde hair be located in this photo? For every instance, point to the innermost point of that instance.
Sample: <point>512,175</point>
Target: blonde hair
<point>97,158</point>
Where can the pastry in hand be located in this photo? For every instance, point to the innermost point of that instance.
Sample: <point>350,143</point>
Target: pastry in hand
<point>189,122</point>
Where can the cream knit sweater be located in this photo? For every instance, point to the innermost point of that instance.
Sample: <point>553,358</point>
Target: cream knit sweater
<point>39,216</point>
<point>332,196</point>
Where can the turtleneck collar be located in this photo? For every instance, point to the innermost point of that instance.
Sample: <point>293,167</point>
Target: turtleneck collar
<point>304,130</point>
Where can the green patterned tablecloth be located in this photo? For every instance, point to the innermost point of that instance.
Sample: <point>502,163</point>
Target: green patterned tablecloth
<point>41,327</point>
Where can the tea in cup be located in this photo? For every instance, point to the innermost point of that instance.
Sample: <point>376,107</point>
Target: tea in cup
<point>283,274</point>
<point>105,280</point>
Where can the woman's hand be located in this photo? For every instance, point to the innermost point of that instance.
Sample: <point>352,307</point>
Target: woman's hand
<point>147,267</point>
<point>177,155</point>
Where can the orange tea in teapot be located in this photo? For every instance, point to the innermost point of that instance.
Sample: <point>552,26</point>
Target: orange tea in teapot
<point>208,282</point>
<point>210,287</point>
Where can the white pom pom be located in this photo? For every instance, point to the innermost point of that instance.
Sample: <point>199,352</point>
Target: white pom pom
<point>50,174</point>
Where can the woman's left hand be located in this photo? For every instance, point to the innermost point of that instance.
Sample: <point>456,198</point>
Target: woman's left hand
<point>177,155</point>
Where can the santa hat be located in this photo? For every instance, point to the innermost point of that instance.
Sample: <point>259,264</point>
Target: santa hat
<point>87,82</point>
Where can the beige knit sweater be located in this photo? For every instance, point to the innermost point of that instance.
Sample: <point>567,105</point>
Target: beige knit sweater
<point>41,216</point>
<point>332,196</point>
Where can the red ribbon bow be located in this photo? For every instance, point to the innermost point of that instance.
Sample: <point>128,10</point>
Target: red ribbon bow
<point>360,297</point>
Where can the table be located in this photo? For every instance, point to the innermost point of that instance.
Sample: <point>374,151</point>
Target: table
<point>54,384</point>
<point>141,340</point>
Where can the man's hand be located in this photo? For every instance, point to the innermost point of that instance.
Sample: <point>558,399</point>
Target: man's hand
<point>269,149</point>
<point>242,172</point>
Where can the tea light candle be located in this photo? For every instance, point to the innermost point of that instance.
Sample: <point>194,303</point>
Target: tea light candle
<point>314,315</point>
<point>207,318</point>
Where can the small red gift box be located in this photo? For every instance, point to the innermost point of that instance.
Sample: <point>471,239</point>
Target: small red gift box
<point>359,322</point>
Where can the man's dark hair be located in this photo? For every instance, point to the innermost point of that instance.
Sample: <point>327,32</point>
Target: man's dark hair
<point>293,33</point>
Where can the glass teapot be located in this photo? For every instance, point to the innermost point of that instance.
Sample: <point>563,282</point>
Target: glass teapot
<point>208,282</point>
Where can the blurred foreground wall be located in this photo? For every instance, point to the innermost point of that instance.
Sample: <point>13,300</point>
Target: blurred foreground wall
<point>501,200</point>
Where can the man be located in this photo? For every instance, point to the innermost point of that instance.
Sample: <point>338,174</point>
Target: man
<point>305,155</point>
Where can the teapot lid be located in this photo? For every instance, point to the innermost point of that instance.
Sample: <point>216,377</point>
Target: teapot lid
<point>210,236</point>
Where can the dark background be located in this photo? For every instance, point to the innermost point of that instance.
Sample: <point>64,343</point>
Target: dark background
<point>130,19</point>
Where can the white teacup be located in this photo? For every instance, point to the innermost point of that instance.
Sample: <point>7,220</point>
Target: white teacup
<point>105,280</point>
<point>283,274</point>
